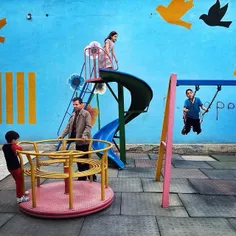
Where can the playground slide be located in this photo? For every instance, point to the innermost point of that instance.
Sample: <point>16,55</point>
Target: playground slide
<point>141,96</point>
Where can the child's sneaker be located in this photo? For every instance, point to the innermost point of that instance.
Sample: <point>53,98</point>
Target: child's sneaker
<point>22,199</point>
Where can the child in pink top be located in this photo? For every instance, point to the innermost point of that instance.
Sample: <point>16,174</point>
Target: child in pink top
<point>106,60</point>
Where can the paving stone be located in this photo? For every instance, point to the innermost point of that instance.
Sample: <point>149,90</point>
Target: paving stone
<point>8,201</point>
<point>232,222</point>
<point>197,158</point>
<point>130,163</point>
<point>144,163</point>
<point>176,186</point>
<point>191,164</point>
<point>224,158</point>
<point>126,184</point>
<point>24,225</point>
<point>194,227</point>
<point>9,183</point>
<point>209,206</point>
<point>4,218</point>
<point>137,172</point>
<point>223,165</point>
<point>220,174</point>
<point>214,187</point>
<point>187,173</point>
<point>154,156</point>
<point>113,172</point>
<point>120,225</point>
<point>3,173</point>
<point>59,168</point>
<point>150,204</point>
<point>135,155</point>
<point>113,209</point>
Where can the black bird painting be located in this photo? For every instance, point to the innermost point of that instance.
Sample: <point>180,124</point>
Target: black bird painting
<point>215,15</point>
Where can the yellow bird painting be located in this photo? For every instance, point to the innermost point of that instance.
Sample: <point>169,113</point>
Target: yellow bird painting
<point>174,11</point>
<point>2,23</point>
<point>235,72</point>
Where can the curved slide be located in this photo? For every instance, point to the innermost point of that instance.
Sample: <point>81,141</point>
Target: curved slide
<point>141,96</point>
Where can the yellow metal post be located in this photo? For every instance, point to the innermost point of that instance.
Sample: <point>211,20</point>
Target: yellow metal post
<point>103,176</point>
<point>163,136</point>
<point>32,180</point>
<point>106,170</point>
<point>37,161</point>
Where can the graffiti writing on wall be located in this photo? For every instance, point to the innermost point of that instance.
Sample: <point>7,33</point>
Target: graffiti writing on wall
<point>218,106</point>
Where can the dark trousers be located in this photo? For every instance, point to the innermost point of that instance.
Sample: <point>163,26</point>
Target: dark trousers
<point>83,148</point>
<point>83,167</point>
<point>195,123</point>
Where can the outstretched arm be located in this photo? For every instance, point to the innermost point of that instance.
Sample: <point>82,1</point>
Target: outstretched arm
<point>16,147</point>
<point>186,109</point>
<point>107,48</point>
<point>114,55</point>
<point>204,108</point>
<point>66,130</point>
<point>88,126</point>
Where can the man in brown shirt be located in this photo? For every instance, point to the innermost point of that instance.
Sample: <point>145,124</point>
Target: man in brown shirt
<point>79,126</point>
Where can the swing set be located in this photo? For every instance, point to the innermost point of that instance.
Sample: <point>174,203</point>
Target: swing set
<point>166,141</point>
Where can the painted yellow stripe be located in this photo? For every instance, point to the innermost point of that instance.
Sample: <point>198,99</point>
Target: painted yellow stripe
<point>0,98</point>
<point>32,98</point>
<point>20,98</point>
<point>9,98</point>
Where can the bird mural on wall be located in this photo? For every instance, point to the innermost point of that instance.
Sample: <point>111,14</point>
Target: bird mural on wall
<point>215,15</point>
<point>235,72</point>
<point>3,22</point>
<point>174,11</point>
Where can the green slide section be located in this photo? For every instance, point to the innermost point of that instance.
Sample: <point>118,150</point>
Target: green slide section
<point>141,96</point>
<point>141,92</point>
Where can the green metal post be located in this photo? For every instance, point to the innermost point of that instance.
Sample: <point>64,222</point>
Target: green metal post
<point>122,123</point>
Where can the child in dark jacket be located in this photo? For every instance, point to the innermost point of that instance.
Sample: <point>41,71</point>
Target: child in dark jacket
<point>13,164</point>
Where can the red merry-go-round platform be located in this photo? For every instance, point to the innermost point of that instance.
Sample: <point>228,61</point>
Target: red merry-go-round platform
<point>52,202</point>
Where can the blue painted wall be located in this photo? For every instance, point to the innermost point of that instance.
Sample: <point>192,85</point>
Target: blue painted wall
<point>147,47</point>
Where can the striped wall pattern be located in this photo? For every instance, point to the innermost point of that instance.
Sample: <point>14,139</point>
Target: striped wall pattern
<point>18,94</point>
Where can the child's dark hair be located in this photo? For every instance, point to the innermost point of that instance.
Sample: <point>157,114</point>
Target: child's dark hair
<point>77,99</point>
<point>188,90</point>
<point>110,35</point>
<point>10,135</point>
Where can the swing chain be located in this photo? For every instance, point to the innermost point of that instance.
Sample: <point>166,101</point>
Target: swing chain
<point>196,89</point>
<point>209,106</point>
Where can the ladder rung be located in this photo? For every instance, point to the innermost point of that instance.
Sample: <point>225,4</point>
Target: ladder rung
<point>163,143</point>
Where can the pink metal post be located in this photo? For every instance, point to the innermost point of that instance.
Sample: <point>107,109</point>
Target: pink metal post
<point>169,143</point>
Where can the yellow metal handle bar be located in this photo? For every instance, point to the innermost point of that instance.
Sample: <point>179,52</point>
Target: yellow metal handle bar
<point>59,154</point>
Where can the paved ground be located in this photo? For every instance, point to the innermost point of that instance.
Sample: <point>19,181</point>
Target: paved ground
<point>202,202</point>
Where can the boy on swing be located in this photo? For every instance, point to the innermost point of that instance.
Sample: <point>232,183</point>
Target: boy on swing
<point>191,113</point>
